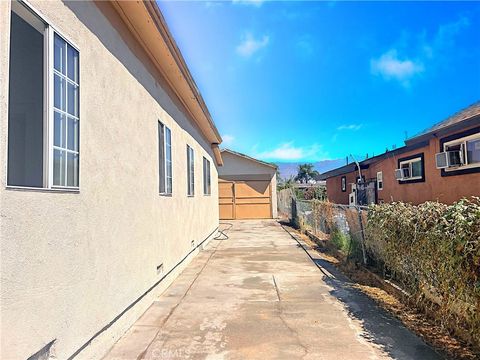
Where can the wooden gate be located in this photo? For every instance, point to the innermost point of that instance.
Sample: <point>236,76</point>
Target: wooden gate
<point>226,199</point>
<point>251,199</point>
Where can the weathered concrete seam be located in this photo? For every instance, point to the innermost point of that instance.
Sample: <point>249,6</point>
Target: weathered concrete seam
<point>279,309</point>
<point>276,288</point>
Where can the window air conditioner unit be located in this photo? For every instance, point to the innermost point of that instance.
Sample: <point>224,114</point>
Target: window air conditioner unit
<point>448,159</point>
<point>400,174</point>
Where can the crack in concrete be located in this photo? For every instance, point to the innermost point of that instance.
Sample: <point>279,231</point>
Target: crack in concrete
<point>276,288</point>
<point>279,309</point>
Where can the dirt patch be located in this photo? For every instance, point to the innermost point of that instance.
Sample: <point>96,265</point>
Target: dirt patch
<point>391,298</point>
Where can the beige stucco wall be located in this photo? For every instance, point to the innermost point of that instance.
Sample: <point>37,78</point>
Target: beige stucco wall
<point>237,167</point>
<point>72,262</point>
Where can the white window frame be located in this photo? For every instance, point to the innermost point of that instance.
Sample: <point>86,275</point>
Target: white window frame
<point>190,171</point>
<point>48,101</point>
<point>379,180</point>
<point>166,163</point>
<point>410,162</point>
<point>463,146</point>
<point>207,180</point>
<point>51,110</point>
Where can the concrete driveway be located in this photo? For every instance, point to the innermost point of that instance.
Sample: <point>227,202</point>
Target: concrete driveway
<point>259,295</point>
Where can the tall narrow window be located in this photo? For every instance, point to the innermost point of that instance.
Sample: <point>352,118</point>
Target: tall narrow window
<point>206,177</point>
<point>26,99</point>
<point>165,159</point>
<point>380,180</point>
<point>190,171</point>
<point>65,114</point>
<point>168,153</point>
<point>37,157</point>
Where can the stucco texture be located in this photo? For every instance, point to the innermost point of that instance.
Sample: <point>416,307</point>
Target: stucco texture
<point>71,262</point>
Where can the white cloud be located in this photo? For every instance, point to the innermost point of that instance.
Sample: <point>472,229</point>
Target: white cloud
<point>250,45</point>
<point>256,3</point>
<point>432,52</point>
<point>446,33</point>
<point>352,127</point>
<point>443,40</point>
<point>289,152</point>
<point>227,139</point>
<point>390,66</point>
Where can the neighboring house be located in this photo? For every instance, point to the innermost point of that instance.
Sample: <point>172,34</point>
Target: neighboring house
<point>247,187</point>
<point>108,172</point>
<point>442,163</point>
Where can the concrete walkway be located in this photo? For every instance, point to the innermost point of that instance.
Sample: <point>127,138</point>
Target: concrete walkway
<point>258,295</point>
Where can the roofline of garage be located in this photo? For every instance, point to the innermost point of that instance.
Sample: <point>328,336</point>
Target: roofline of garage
<point>250,158</point>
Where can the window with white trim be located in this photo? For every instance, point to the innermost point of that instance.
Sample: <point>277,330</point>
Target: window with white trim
<point>411,169</point>
<point>43,119</point>
<point>207,186</point>
<point>190,171</point>
<point>379,180</point>
<point>65,114</point>
<point>165,159</point>
<point>463,153</point>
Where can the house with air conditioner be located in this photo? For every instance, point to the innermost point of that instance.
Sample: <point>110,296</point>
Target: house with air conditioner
<point>441,164</point>
<point>108,172</point>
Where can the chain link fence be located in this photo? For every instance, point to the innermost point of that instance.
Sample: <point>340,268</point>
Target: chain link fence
<point>343,225</point>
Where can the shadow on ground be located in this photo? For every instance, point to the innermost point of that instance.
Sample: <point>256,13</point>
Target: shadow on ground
<point>380,327</point>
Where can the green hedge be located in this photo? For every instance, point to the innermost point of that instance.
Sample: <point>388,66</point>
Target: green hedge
<point>433,249</point>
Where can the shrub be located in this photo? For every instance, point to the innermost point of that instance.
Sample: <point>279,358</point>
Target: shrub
<point>340,240</point>
<point>433,249</point>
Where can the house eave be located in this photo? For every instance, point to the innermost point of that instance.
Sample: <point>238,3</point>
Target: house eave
<point>146,23</point>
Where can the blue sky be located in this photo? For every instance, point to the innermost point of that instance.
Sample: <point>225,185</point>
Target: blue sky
<point>309,81</point>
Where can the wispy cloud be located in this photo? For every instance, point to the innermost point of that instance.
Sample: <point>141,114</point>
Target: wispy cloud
<point>444,38</point>
<point>351,127</point>
<point>249,45</point>
<point>390,66</point>
<point>290,152</point>
<point>411,56</point>
<point>305,46</point>
<point>212,4</point>
<point>227,139</point>
<point>256,3</point>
